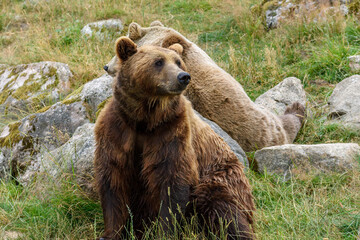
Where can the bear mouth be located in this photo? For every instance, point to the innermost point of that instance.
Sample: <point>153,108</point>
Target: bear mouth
<point>175,91</point>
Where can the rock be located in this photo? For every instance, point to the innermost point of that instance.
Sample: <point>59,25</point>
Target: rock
<point>74,157</point>
<point>10,235</point>
<point>4,166</point>
<point>290,90</point>
<point>22,141</point>
<point>33,83</point>
<point>344,102</point>
<point>275,11</point>
<point>25,140</point>
<point>354,63</point>
<point>94,92</point>
<point>287,160</point>
<point>235,147</point>
<point>3,66</point>
<point>101,28</point>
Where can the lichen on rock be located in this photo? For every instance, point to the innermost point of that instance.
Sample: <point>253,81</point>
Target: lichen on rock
<point>26,85</point>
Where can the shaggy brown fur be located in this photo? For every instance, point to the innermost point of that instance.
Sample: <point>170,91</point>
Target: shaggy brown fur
<point>218,96</point>
<point>154,154</point>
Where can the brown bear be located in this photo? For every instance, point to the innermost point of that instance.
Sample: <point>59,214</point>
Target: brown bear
<point>154,156</point>
<point>216,95</point>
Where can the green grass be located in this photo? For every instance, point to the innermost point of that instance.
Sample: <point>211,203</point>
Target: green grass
<point>307,207</point>
<point>321,206</point>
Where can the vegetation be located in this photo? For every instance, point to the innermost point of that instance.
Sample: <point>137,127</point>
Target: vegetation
<point>307,207</point>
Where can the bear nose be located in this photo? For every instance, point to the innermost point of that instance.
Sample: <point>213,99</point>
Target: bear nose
<point>184,78</point>
<point>106,68</point>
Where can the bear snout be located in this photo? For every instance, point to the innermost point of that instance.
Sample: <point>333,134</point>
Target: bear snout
<point>184,78</point>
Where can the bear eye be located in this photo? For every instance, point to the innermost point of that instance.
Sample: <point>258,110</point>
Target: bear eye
<point>178,62</point>
<point>159,63</point>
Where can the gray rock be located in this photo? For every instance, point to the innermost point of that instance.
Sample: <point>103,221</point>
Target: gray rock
<point>96,91</point>
<point>75,157</point>
<point>33,83</point>
<point>235,147</point>
<point>287,160</point>
<point>101,28</point>
<point>274,12</point>
<point>354,63</point>
<point>344,102</point>
<point>290,90</point>
<point>4,166</point>
<point>21,142</point>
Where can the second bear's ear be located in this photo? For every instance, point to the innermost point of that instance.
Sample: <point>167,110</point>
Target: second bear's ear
<point>135,31</point>
<point>177,48</point>
<point>125,48</point>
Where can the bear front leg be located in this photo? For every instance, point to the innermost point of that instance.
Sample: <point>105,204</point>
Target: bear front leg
<point>113,187</point>
<point>170,170</point>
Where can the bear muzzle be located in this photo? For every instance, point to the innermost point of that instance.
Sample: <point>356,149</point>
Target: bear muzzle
<point>183,78</point>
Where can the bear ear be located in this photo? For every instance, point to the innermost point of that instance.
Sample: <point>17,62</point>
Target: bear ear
<point>135,31</point>
<point>156,23</point>
<point>175,38</point>
<point>125,48</point>
<point>177,48</point>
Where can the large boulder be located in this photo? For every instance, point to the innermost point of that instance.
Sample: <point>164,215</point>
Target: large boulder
<point>287,160</point>
<point>273,12</point>
<point>24,141</point>
<point>290,90</point>
<point>103,28</point>
<point>344,102</point>
<point>75,157</point>
<point>33,84</point>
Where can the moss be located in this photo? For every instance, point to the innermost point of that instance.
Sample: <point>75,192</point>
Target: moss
<point>13,137</point>
<point>354,7</point>
<point>44,109</point>
<point>4,95</point>
<point>52,71</point>
<point>73,97</point>
<point>101,106</point>
<point>270,5</point>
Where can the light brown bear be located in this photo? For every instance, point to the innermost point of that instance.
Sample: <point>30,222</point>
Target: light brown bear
<point>155,155</point>
<point>217,96</point>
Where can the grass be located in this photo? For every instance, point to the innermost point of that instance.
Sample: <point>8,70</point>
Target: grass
<point>310,207</point>
<point>322,206</point>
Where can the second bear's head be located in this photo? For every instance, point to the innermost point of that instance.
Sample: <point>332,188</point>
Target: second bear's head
<point>150,71</point>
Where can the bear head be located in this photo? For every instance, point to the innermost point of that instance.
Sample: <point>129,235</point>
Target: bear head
<point>156,35</point>
<point>150,71</point>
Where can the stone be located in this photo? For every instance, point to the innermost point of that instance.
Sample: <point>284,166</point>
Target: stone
<point>31,84</point>
<point>22,141</point>
<point>75,157</point>
<point>235,147</point>
<point>354,63</point>
<point>288,91</point>
<point>101,28</point>
<point>344,102</point>
<point>276,11</point>
<point>295,160</point>
<point>95,92</point>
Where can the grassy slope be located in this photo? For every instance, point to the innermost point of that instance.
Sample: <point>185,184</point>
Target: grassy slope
<point>309,207</point>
